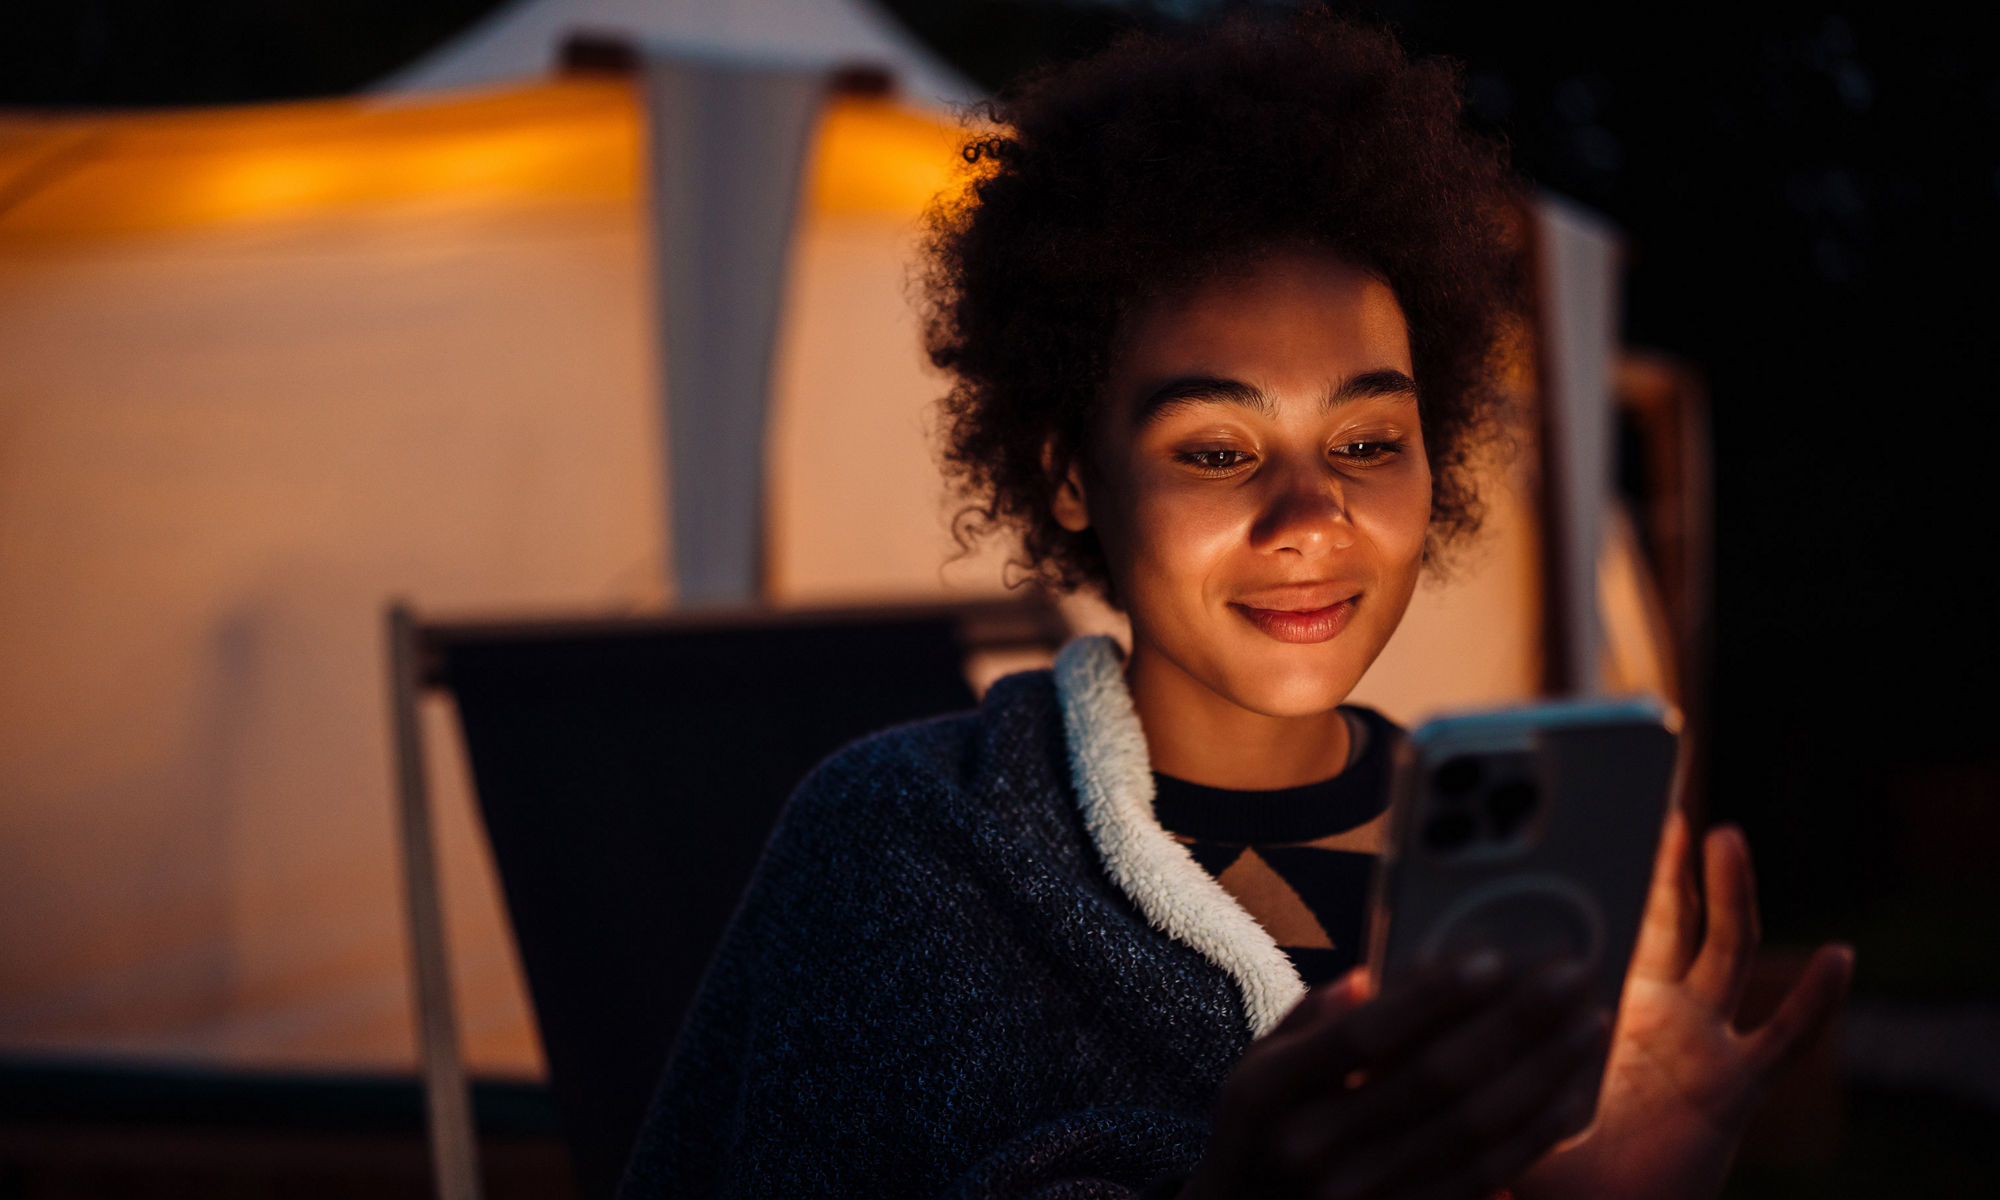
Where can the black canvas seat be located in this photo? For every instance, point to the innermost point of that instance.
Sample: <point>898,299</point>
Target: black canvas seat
<point>627,773</point>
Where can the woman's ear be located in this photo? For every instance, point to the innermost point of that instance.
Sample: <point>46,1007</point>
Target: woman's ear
<point>1072,511</point>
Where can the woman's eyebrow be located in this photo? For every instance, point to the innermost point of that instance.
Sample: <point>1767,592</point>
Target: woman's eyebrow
<point>1369,385</point>
<point>1187,390</point>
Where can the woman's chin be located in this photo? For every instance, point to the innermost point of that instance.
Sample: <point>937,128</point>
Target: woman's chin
<point>1292,690</point>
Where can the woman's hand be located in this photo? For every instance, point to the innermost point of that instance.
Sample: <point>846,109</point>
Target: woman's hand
<point>1447,1085</point>
<point>1681,1081</point>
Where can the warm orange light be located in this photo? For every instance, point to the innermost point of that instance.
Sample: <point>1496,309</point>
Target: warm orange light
<point>565,139</point>
<point>118,174</point>
<point>877,157</point>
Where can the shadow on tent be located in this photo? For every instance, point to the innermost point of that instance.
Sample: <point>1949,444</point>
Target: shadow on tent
<point>627,772</point>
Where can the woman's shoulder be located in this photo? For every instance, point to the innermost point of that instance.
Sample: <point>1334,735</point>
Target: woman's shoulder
<point>1008,750</point>
<point>914,815</point>
<point>1016,715</point>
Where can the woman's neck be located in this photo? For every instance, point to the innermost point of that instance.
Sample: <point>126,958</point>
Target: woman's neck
<point>1196,734</point>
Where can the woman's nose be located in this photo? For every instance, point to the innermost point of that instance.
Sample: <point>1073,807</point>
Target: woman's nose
<point>1306,513</point>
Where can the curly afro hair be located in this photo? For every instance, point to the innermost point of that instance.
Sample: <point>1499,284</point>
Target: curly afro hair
<point>1165,161</point>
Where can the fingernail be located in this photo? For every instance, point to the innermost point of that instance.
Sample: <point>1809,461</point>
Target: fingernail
<point>1359,983</point>
<point>1481,969</point>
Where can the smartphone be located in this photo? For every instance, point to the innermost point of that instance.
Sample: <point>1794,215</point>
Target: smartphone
<point>1529,831</point>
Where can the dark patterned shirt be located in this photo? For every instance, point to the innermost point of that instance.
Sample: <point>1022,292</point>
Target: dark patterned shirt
<point>1299,859</point>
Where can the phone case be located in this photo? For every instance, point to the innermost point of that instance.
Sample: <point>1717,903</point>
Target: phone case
<point>1528,830</point>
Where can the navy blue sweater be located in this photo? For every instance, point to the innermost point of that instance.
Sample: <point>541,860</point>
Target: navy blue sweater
<point>932,989</point>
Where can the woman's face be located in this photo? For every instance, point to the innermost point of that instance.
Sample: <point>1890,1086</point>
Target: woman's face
<point>1260,485</point>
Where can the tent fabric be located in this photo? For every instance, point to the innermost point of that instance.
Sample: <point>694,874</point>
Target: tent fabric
<point>520,40</point>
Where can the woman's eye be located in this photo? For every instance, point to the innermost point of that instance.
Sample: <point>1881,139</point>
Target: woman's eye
<point>1368,451</point>
<point>1215,461</point>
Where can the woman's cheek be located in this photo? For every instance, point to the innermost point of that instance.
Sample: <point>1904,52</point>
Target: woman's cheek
<point>1394,511</point>
<point>1183,530</point>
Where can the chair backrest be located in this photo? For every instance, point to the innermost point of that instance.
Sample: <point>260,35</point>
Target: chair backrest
<point>628,772</point>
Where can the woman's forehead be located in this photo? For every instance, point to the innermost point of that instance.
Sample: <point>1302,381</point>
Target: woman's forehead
<point>1297,319</point>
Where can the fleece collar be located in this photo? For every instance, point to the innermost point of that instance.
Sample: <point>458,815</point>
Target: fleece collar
<point>1114,788</point>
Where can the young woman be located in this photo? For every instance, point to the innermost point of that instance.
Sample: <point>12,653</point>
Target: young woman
<point>1221,313</point>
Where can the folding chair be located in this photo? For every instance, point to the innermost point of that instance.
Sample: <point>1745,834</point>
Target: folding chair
<point>627,772</point>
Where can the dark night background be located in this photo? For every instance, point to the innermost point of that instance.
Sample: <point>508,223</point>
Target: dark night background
<point>1812,197</point>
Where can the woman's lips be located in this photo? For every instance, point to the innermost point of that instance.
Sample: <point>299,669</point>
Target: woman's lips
<point>1313,625</point>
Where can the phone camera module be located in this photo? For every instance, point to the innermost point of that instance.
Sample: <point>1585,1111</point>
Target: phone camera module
<point>1508,806</point>
<point>1458,777</point>
<point>1449,830</point>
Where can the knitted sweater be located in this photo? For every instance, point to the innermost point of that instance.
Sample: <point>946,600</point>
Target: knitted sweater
<point>948,976</point>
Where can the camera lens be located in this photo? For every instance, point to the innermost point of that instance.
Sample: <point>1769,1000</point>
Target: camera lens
<point>1457,776</point>
<point>1509,805</point>
<point>1449,830</point>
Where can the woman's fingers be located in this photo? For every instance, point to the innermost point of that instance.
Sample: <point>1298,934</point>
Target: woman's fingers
<point>1326,1002</point>
<point>1412,1091</point>
<point>1672,924</point>
<point>1254,1093</point>
<point>1565,1110</point>
<point>1317,1048</point>
<point>1804,1014</point>
<point>1730,941</point>
<point>1484,1134</point>
<point>1322,1052</point>
<point>1481,1049</point>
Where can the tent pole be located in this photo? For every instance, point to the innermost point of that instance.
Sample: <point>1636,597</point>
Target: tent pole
<point>726,149</point>
<point>1577,263</point>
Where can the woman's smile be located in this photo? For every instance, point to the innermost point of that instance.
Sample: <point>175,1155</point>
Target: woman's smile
<point>1301,626</point>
